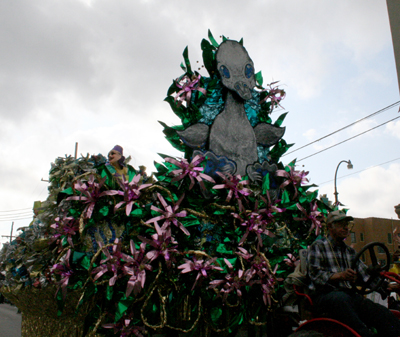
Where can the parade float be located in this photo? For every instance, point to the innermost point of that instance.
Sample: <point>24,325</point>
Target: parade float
<point>201,247</point>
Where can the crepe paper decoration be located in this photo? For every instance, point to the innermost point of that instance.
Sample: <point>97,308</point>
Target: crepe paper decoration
<point>200,266</point>
<point>191,170</point>
<point>64,269</point>
<point>136,266</point>
<point>312,216</point>
<point>127,268</point>
<point>131,192</point>
<point>187,85</point>
<point>169,214</point>
<point>90,193</point>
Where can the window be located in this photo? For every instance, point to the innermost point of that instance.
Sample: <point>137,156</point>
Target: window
<point>362,237</point>
<point>390,238</point>
<point>353,237</point>
<point>382,262</point>
<point>381,250</point>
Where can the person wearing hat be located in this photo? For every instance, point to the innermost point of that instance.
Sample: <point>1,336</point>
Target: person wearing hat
<point>329,262</point>
<point>116,162</point>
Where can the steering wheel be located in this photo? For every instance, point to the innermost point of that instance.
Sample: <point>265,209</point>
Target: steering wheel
<point>374,269</point>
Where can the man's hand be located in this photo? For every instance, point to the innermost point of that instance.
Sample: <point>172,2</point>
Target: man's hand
<point>346,275</point>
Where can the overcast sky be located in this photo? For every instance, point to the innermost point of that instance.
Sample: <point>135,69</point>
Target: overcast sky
<point>97,72</point>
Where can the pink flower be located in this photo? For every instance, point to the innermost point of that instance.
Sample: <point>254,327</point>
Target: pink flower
<point>90,193</point>
<point>66,226</point>
<point>260,273</point>
<point>291,260</point>
<point>296,178</point>
<point>169,214</point>
<point>163,243</point>
<point>125,328</point>
<point>200,266</point>
<point>233,281</point>
<point>131,192</point>
<point>270,209</point>
<point>254,223</point>
<point>312,216</point>
<point>136,266</point>
<point>190,170</point>
<point>187,86</point>
<point>274,94</point>
<point>64,269</point>
<point>235,186</point>
<point>111,263</point>
<point>244,254</point>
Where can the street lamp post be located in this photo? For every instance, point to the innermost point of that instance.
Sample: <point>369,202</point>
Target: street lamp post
<point>349,166</point>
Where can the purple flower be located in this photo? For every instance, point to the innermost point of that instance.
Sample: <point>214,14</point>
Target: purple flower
<point>254,223</point>
<point>63,269</point>
<point>169,214</point>
<point>274,94</point>
<point>124,328</point>
<point>191,170</point>
<point>235,186</point>
<point>244,254</point>
<point>66,226</point>
<point>111,263</point>
<point>131,192</point>
<point>291,260</point>
<point>296,178</point>
<point>260,273</point>
<point>233,281</point>
<point>136,266</point>
<point>90,193</point>
<point>312,216</point>
<point>187,86</point>
<point>270,209</point>
<point>200,266</point>
<point>163,243</point>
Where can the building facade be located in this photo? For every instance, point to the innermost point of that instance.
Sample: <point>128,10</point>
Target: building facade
<point>374,230</point>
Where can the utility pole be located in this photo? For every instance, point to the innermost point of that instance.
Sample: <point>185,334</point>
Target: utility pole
<point>11,235</point>
<point>394,19</point>
<point>76,150</point>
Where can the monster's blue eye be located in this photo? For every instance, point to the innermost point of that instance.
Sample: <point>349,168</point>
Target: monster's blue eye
<point>224,71</point>
<point>249,71</point>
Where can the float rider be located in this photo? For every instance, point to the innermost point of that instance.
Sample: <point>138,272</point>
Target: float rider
<point>329,262</point>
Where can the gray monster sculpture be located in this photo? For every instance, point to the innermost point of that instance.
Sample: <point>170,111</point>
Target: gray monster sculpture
<point>231,134</point>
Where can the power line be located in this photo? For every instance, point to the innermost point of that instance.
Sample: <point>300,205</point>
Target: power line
<point>344,141</point>
<point>345,127</point>
<point>15,219</point>
<point>12,216</point>
<point>350,174</point>
<point>14,210</point>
